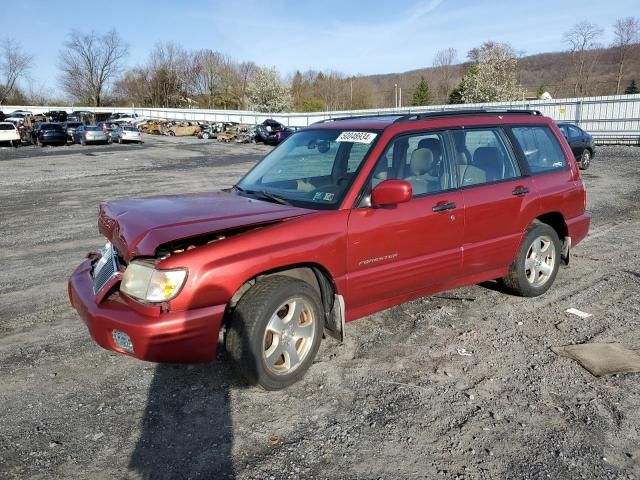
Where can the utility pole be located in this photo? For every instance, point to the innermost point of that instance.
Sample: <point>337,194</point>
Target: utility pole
<point>351,92</point>
<point>400,98</point>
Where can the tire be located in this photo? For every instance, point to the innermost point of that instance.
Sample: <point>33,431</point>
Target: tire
<point>120,140</point>
<point>260,339</point>
<point>206,136</point>
<point>528,276</point>
<point>109,141</point>
<point>585,159</point>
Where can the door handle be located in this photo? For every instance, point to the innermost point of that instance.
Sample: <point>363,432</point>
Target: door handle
<point>443,207</point>
<point>518,191</point>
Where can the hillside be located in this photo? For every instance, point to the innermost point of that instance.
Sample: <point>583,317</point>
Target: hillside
<point>551,71</point>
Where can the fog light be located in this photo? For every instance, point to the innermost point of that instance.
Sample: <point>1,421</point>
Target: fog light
<point>122,341</point>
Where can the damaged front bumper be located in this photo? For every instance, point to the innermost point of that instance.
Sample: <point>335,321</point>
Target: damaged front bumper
<point>189,336</point>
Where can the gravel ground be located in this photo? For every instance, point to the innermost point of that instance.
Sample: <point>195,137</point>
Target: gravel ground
<point>394,401</point>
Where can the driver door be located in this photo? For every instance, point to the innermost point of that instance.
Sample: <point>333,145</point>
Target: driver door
<point>396,250</point>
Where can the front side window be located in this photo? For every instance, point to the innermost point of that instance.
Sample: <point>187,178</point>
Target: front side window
<point>483,156</point>
<point>312,168</point>
<point>540,147</point>
<point>420,159</point>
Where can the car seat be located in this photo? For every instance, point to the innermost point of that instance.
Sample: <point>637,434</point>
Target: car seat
<point>422,161</point>
<point>490,161</point>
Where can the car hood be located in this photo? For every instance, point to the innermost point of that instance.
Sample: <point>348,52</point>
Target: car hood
<point>137,227</point>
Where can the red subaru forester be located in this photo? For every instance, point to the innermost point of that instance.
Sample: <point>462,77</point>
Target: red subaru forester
<point>347,217</point>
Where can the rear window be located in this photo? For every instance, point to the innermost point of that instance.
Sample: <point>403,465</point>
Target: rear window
<point>51,126</point>
<point>93,129</point>
<point>541,148</point>
<point>130,129</point>
<point>7,126</point>
<point>73,124</point>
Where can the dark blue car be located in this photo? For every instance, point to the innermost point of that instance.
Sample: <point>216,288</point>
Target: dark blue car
<point>581,144</point>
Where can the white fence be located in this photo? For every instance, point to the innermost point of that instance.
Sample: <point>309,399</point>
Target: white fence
<point>614,116</point>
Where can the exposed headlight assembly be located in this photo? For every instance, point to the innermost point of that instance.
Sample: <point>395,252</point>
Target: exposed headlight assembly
<point>144,282</point>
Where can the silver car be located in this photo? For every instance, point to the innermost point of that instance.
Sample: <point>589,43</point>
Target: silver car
<point>90,134</point>
<point>126,133</point>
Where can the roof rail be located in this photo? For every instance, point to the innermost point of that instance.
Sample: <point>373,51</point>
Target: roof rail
<point>465,112</point>
<point>358,117</point>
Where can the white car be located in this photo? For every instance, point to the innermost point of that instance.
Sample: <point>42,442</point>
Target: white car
<point>127,119</point>
<point>15,117</point>
<point>9,133</point>
<point>126,133</point>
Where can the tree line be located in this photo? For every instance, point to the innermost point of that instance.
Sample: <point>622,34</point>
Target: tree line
<point>92,71</point>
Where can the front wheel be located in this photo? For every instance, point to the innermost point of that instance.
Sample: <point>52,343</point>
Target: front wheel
<point>533,271</point>
<point>585,159</point>
<point>275,331</point>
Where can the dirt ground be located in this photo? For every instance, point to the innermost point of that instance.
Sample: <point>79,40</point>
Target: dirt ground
<point>396,400</point>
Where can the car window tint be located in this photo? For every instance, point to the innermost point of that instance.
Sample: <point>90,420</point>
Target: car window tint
<point>541,148</point>
<point>5,126</point>
<point>357,152</point>
<point>303,161</point>
<point>574,132</point>
<point>423,163</point>
<point>483,156</point>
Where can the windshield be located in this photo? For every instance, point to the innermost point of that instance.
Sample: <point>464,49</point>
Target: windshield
<point>311,169</point>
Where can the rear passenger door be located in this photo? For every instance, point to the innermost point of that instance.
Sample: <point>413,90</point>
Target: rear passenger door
<point>495,193</point>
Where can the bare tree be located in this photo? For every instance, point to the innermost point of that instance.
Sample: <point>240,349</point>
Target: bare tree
<point>583,42</point>
<point>14,65</point>
<point>627,35</point>
<point>444,62</point>
<point>89,62</point>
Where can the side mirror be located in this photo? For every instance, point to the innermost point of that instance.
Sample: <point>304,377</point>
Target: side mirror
<point>391,192</point>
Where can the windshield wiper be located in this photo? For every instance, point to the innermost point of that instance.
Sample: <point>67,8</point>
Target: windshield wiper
<point>272,196</point>
<point>264,195</point>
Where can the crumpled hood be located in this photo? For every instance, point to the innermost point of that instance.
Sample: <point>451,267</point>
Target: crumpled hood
<point>137,227</point>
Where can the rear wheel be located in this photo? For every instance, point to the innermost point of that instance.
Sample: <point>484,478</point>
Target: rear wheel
<point>533,271</point>
<point>275,331</point>
<point>585,159</point>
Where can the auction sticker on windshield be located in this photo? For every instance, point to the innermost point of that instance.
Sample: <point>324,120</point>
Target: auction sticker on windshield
<point>356,137</point>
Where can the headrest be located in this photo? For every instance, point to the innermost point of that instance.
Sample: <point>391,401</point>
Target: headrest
<point>421,161</point>
<point>486,157</point>
<point>433,144</point>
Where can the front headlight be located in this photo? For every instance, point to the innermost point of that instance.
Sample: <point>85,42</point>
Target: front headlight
<point>144,282</point>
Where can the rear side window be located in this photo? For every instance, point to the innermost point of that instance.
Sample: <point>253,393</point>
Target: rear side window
<point>541,148</point>
<point>483,156</point>
<point>7,126</point>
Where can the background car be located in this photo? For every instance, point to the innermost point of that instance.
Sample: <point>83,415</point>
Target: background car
<point>107,127</point>
<point>16,117</point>
<point>71,127</point>
<point>51,134</point>
<point>581,144</point>
<point>56,116</point>
<point>272,132</point>
<point>126,133</point>
<point>85,134</point>
<point>9,133</point>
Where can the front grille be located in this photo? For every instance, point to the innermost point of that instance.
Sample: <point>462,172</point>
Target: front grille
<point>105,268</point>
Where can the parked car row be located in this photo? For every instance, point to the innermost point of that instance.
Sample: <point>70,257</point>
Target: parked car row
<point>55,133</point>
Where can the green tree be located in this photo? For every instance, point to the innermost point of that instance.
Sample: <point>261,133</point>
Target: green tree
<point>421,95</point>
<point>632,88</point>
<point>455,97</point>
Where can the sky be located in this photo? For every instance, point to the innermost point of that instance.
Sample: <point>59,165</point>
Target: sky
<point>353,37</point>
